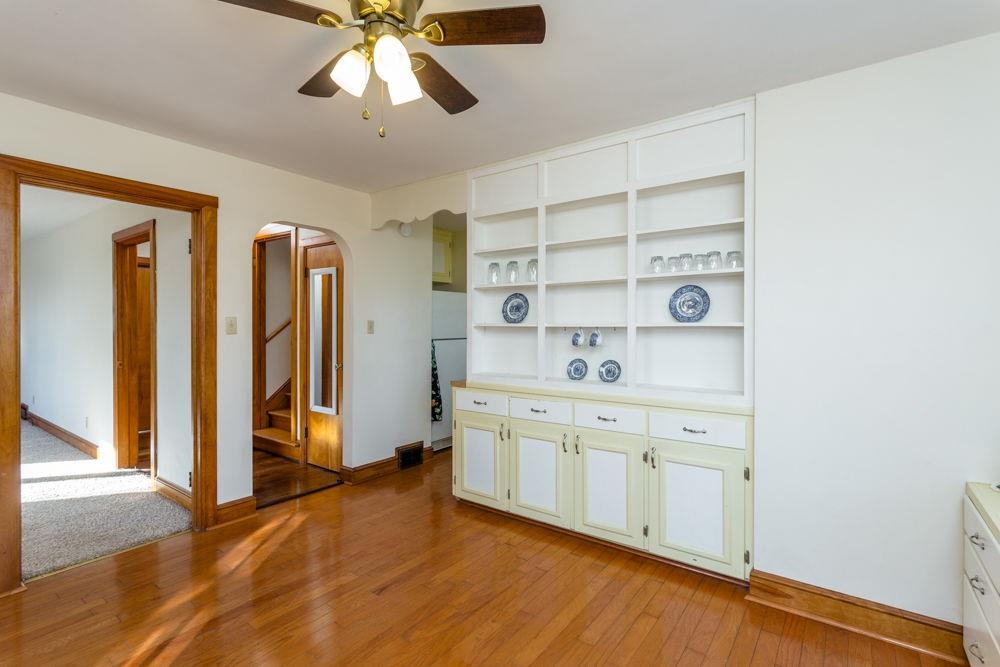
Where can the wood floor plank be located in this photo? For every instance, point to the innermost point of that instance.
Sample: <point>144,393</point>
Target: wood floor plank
<point>396,571</point>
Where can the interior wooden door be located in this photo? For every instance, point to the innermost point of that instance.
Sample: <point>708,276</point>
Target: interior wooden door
<point>144,360</point>
<point>321,347</point>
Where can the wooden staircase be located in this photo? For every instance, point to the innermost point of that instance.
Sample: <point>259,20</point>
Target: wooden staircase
<point>276,437</point>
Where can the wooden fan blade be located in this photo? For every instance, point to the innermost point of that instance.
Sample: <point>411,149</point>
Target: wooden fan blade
<point>442,86</point>
<point>509,25</point>
<point>321,85</point>
<point>289,8</point>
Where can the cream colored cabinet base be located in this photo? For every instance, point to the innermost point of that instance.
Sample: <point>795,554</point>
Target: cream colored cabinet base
<point>480,459</point>
<point>610,480</point>
<point>696,505</point>
<point>541,467</point>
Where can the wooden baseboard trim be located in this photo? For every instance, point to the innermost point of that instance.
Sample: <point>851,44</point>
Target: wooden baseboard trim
<point>612,545</point>
<point>19,589</point>
<point>85,446</point>
<point>235,510</point>
<point>376,469</point>
<point>932,636</point>
<point>175,493</point>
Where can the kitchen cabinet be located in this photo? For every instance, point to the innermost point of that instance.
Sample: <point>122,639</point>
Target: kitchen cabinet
<point>609,481</point>
<point>481,459</point>
<point>441,262</point>
<point>541,472</point>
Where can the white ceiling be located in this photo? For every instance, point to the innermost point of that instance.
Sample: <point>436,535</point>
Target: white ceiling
<point>43,210</point>
<point>225,77</point>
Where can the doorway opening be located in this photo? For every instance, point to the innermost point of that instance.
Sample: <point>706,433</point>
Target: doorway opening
<point>298,282</point>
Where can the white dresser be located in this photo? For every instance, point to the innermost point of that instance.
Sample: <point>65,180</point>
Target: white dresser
<point>980,597</point>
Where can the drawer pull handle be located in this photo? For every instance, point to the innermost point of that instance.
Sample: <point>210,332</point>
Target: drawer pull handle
<point>475,402</point>
<point>977,653</point>
<point>539,412</point>
<point>976,585</point>
<point>700,431</point>
<point>978,541</point>
<point>607,419</point>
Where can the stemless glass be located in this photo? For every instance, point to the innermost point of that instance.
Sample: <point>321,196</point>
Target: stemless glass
<point>714,260</point>
<point>673,264</point>
<point>700,262</point>
<point>656,264</point>
<point>533,270</point>
<point>687,261</point>
<point>513,272</point>
<point>493,273</point>
<point>734,259</point>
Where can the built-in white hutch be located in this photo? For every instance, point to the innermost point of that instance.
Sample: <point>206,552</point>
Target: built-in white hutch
<point>661,458</point>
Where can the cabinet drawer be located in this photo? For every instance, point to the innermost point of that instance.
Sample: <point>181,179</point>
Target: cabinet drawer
<point>611,418</point>
<point>980,538</point>
<point>978,582</point>
<point>696,428</point>
<point>980,648</point>
<point>552,412</point>
<point>481,401</point>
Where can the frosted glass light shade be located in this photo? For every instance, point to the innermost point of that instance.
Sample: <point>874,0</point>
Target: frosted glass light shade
<point>405,89</point>
<point>351,73</point>
<point>392,62</point>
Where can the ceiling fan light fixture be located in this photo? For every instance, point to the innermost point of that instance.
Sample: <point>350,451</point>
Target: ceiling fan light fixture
<point>405,89</point>
<point>392,62</point>
<point>351,72</point>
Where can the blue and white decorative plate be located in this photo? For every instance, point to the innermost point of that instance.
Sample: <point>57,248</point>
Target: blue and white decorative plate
<point>610,371</point>
<point>515,308</point>
<point>577,369</point>
<point>689,303</point>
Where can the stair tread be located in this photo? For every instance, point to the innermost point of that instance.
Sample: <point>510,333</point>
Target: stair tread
<point>281,412</point>
<point>275,434</point>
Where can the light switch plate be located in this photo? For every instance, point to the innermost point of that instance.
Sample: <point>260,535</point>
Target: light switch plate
<point>371,326</point>
<point>230,326</point>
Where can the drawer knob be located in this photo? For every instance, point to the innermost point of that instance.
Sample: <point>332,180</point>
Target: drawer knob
<point>977,586</point>
<point>475,402</point>
<point>977,653</point>
<point>607,419</point>
<point>976,539</point>
<point>695,430</point>
<point>540,412</point>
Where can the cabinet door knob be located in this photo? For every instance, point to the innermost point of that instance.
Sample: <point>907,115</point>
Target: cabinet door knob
<point>652,457</point>
<point>695,430</point>
<point>976,585</point>
<point>978,541</point>
<point>577,444</point>
<point>501,432</point>
<point>564,443</point>
<point>977,653</point>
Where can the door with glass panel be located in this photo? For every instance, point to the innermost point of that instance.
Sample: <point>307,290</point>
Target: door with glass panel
<point>610,481</point>
<point>321,310</point>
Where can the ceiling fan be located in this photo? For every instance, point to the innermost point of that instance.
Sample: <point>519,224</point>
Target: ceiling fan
<point>385,23</point>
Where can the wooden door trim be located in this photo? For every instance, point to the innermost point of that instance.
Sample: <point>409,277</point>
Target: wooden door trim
<point>258,332</point>
<point>14,172</point>
<point>126,391</point>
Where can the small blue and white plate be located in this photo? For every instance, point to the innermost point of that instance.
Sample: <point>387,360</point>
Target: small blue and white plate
<point>515,308</point>
<point>577,369</point>
<point>689,303</point>
<point>610,371</point>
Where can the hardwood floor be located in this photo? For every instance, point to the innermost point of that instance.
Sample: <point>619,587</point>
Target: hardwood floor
<point>276,479</point>
<point>395,571</point>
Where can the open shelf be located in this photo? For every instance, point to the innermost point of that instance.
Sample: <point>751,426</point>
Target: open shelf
<point>588,325</point>
<point>689,274</point>
<point>593,240</point>
<point>507,286</point>
<point>692,325</point>
<point>504,325</point>
<point>507,249</point>
<point>723,225</point>
<point>595,281</point>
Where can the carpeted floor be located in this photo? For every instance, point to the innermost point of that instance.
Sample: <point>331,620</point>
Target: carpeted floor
<point>75,508</point>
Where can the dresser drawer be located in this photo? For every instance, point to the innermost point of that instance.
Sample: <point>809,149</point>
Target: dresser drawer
<point>980,538</point>
<point>696,428</point>
<point>611,418</point>
<point>980,648</point>
<point>552,412</point>
<point>481,401</point>
<point>978,582</point>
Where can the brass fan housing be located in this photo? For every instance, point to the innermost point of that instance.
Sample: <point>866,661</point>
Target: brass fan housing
<point>402,10</point>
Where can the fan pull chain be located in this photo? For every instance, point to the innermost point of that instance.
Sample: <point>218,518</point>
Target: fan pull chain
<point>381,110</point>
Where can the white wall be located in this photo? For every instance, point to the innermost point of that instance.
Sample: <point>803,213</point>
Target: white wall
<point>878,228</point>
<point>67,344</point>
<point>386,274</point>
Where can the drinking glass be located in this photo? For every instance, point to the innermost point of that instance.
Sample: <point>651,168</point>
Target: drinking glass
<point>673,264</point>
<point>513,272</point>
<point>656,264</point>
<point>700,262</point>
<point>493,273</point>
<point>533,270</point>
<point>715,260</point>
<point>687,261</point>
<point>734,259</point>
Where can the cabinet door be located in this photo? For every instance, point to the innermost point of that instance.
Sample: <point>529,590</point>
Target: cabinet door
<point>541,472</point>
<point>480,459</point>
<point>696,505</point>
<point>441,256</point>
<point>609,488</point>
